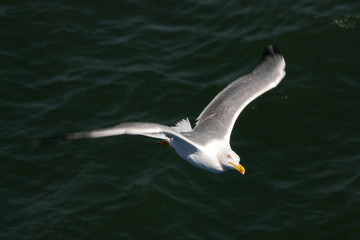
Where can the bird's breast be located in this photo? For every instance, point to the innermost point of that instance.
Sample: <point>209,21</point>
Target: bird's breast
<point>202,157</point>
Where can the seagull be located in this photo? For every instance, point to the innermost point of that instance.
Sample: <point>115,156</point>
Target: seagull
<point>207,145</point>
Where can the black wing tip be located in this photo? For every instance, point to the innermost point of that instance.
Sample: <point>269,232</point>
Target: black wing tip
<point>59,139</point>
<point>270,51</point>
<point>48,141</point>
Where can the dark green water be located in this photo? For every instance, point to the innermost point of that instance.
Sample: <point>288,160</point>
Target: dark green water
<point>69,66</point>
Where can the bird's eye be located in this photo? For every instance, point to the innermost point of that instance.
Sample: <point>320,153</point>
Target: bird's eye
<point>228,156</point>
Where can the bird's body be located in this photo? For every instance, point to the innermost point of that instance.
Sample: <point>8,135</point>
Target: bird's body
<point>207,145</point>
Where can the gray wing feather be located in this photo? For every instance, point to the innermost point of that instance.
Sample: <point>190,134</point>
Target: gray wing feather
<point>223,110</point>
<point>133,128</point>
<point>130,128</point>
<point>153,130</point>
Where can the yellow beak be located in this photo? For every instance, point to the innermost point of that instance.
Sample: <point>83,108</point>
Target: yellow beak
<point>238,167</point>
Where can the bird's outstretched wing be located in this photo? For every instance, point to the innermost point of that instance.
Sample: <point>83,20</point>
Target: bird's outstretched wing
<point>221,113</point>
<point>132,128</point>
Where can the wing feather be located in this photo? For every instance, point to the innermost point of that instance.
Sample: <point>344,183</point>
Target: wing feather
<point>131,128</point>
<point>222,112</point>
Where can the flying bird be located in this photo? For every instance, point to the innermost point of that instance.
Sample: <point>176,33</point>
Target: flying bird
<point>207,145</point>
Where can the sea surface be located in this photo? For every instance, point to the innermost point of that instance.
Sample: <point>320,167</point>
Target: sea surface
<point>70,66</point>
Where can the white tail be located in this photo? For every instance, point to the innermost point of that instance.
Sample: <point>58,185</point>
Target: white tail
<point>183,126</point>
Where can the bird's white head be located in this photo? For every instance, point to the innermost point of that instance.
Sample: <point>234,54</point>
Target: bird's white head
<point>230,160</point>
